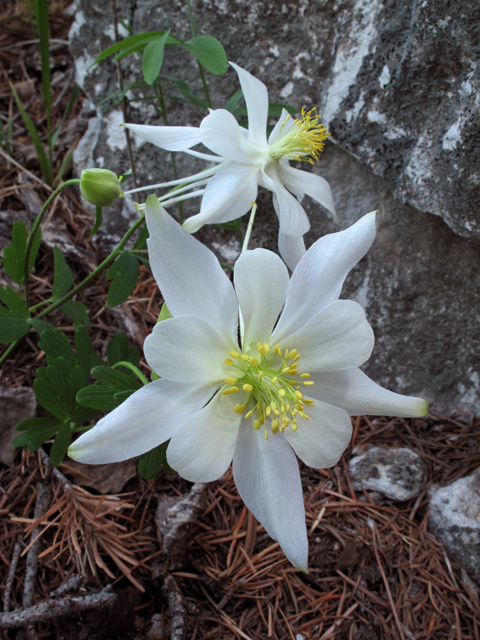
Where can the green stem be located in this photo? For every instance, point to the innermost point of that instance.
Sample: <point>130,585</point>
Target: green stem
<point>34,229</point>
<point>103,265</point>
<point>200,68</point>
<point>8,351</point>
<point>132,367</point>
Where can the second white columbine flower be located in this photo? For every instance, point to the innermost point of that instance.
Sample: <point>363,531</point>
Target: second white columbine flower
<point>286,386</point>
<point>247,159</point>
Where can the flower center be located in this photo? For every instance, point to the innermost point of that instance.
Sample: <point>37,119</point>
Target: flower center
<point>269,387</point>
<point>303,141</point>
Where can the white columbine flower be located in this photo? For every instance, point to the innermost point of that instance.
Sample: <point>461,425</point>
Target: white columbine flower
<point>247,159</point>
<point>289,386</point>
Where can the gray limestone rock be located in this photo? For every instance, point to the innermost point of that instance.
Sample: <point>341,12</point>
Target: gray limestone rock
<point>398,474</point>
<point>454,519</point>
<point>397,86</point>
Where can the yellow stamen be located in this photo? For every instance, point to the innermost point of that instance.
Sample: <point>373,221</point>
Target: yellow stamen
<point>304,375</point>
<point>234,390</point>
<point>309,382</point>
<point>278,351</point>
<point>239,408</point>
<point>247,387</point>
<point>292,353</point>
<point>230,380</point>
<point>253,361</point>
<point>244,357</point>
<point>256,425</point>
<point>234,354</point>
<point>247,415</point>
<point>281,393</point>
<point>228,362</point>
<point>266,435</point>
<point>266,346</point>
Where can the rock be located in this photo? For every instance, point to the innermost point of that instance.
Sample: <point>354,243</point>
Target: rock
<point>454,519</point>
<point>105,478</point>
<point>399,94</point>
<point>16,404</point>
<point>399,474</point>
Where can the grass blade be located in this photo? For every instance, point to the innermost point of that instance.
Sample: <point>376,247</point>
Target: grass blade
<point>41,14</point>
<point>37,143</point>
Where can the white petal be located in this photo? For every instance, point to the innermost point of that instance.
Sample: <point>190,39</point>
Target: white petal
<point>188,274</point>
<point>319,276</point>
<point>284,123</point>
<point>147,418</point>
<point>291,215</point>
<point>169,138</point>
<point>261,282</point>
<point>221,133</point>
<point>291,249</point>
<point>268,480</point>
<point>229,195</point>
<point>314,186</point>
<point>321,440</point>
<point>187,349</point>
<point>357,394</point>
<point>256,98</point>
<point>339,337</point>
<point>201,449</point>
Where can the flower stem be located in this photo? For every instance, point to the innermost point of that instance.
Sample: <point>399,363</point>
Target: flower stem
<point>250,226</point>
<point>132,367</point>
<point>34,229</point>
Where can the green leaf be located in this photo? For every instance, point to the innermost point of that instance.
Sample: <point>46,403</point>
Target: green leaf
<point>61,444</point>
<point>234,100</point>
<point>187,93</point>
<point>98,221</point>
<point>120,350</point>
<point>125,273</point>
<point>141,39</point>
<point>14,254</point>
<point>62,274</point>
<point>116,379</point>
<point>40,325</point>
<point>209,52</point>
<point>86,356</point>
<point>76,311</point>
<point>164,313</point>
<point>14,301</point>
<point>56,345</point>
<point>150,463</point>
<point>36,431</point>
<point>37,143</point>
<point>98,396</point>
<point>141,241</point>
<point>12,325</point>
<point>153,57</point>
<point>56,388</point>
<point>121,396</point>
<point>84,414</point>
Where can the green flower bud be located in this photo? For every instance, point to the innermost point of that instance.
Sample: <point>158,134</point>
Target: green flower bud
<point>100,187</point>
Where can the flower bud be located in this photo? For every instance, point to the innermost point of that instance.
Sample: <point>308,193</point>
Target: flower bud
<point>100,187</point>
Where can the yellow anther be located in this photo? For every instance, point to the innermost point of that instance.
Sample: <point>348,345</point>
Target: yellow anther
<point>292,372</point>
<point>294,426</point>
<point>239,408</point>
<point>230,380</point>
<point>281,393</point>
<point>285,369</point>
<point>273,405</point>
<point>253,361</point>
<point>266,346</point>
<point>268,411</point>
<point>228,362</point>
<point>256,425</point>
<point>247,387</point>
<point>291,382</point>
<point>286,354</point>
<point>274,379</point>
<point>260,349</point>
<point>282,408</point>
<point>266,435</point>
<point>247,415</point>
<point>299,395</point>
<point>244,357</point>
<point>234,354</point>
<point>309,402</point>
<point>310,382</point>
<point>274,426</point>
<point>262,420</point>
<point>304,375</point>
<point>234,390</point>
<point>276,412</point>
<point>292,353</point>
<point>260,374</point>
<point>226,392</point>
<point>296,359</point>
<point>278,351</point>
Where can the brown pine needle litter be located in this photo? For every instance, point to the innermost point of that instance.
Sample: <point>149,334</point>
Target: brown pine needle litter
<point>374,570</point>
